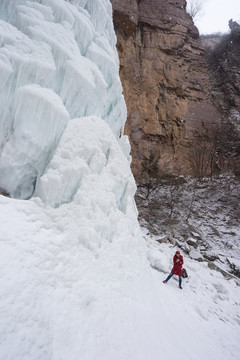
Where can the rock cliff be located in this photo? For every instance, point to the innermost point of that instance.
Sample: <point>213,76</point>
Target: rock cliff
<point>166,84</point>
<point>224,65</point>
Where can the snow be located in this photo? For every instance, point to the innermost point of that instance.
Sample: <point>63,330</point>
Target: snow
<point>65,269</point>
<point>196,255</point>
<point>77,278</point>
<point>85,166</point>
<point>202,318</point>
<point>234,261</point>
<point>70,292</point>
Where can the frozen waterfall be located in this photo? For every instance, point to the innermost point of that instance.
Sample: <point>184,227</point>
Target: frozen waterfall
<point>75,281</point>
<point>58,61</point>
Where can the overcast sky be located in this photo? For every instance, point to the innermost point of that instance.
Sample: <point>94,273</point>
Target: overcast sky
<point>216,14</point>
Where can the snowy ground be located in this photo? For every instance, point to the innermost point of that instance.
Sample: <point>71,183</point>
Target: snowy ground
<point>202,321</point>
<point>63,297</point>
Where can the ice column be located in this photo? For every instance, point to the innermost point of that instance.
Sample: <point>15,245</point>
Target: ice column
<point>58,61</point>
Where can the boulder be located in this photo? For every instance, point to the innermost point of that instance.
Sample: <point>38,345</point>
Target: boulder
<point>186,248</point>
<point>210,256</point>
<point>192,242</point>
<point>4,193</point>
<point>164,239</point>
<point>234,266</point>
<point>196,235</point>
<point>214,266</point>
<point>196,255</point>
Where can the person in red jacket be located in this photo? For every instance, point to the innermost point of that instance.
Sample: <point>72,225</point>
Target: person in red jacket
<point>177,268</point>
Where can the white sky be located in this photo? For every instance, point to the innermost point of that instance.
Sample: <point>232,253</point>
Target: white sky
<point>216,14</point>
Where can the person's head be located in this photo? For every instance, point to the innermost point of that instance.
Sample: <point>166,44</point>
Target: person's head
<point>177,253</point>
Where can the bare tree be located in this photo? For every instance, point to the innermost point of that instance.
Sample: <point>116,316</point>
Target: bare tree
<point>195,8</point>
<point>211,152</point>
<point>201,155</point>
<point>192,199</point>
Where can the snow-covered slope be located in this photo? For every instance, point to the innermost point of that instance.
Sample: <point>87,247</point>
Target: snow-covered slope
<point>75,281</point>
<point>202,321</point>
<point>75,284</point>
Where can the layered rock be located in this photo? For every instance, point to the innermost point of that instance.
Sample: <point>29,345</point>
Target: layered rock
<point>165,81</point>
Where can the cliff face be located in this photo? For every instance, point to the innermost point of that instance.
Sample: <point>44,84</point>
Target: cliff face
<point>165,81</point>
<point>224,65</point>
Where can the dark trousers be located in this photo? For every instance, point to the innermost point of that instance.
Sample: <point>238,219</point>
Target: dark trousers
<point>171,275</point>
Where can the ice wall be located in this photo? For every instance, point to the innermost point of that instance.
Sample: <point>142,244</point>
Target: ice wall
<point>88,168</point>
<point>72,254</point>
<point>58,61</point>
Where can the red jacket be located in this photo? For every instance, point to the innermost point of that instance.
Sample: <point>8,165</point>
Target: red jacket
<point>177,265</point>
